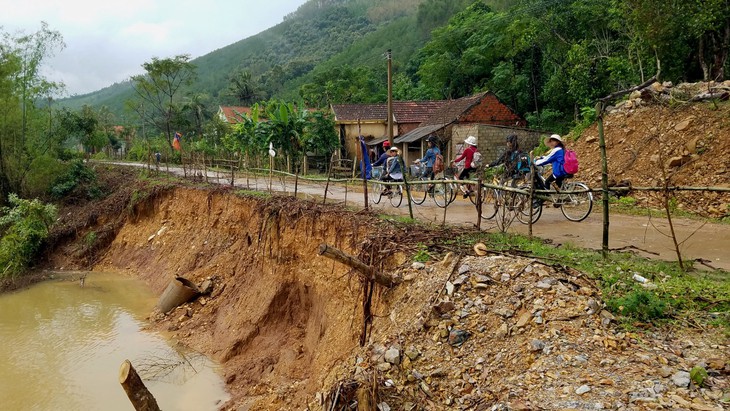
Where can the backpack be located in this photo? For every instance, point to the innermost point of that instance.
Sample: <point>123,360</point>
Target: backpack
<point>570,164</point>
<point>523,164</point>
<point>438,164</point>
<point>476,161</point>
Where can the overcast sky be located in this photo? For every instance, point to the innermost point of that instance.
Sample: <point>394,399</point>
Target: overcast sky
<point>107,41</point>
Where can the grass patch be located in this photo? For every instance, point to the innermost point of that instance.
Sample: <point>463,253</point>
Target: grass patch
<point>631,206</point>
<point>672,295</point>
<point>400,219</point>
<point>252,193</point>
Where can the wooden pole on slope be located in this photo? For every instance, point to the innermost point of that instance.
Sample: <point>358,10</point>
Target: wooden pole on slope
<point>604,178</point>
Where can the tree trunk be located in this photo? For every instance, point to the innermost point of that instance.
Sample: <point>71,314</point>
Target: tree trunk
<point>138,394</point>
<point>366,272</point>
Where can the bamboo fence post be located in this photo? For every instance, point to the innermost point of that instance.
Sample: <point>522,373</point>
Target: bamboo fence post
<point>327,186</point>
<point>446,205</point>
<point>296,183</point>
<point>479,205</point>
<point>137,392</point>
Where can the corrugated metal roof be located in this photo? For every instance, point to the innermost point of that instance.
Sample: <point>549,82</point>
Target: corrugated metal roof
<point>419,133</point>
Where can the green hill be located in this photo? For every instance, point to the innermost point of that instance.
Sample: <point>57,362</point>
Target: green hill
<point>320,35</point>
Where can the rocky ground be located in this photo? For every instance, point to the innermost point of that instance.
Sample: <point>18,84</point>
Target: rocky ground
<point>512,333</point>
<point>667,132</point>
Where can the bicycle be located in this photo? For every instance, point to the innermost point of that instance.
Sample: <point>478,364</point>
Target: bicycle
<point>378,190</point>
<point>441,193</point>
<point>576,205</point>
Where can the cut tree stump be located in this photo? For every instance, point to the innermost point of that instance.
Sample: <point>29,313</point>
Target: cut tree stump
<point>366,272</point>
<point>139,395</point>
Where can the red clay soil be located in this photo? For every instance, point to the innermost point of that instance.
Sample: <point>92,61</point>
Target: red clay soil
<point>280,316</point>
<point>641,143</point>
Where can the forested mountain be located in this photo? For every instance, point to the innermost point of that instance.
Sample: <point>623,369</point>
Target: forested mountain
<point>320,32</point>
<point>548,59</point>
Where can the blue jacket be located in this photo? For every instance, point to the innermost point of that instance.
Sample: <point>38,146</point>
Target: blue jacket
<point>381,161</point>
<point>430,157</point>
<point>556,158</point>
<point>394,169</point>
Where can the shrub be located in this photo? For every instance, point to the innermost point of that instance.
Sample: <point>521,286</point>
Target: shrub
<point>24,226</point>
<point>41,176</point>
<point>79,181</point>
<point>422,255</point>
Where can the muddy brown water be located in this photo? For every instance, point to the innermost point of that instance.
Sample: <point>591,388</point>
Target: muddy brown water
<point>61,346</point>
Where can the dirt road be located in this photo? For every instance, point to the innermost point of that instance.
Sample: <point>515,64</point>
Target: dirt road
<point>711,242</point>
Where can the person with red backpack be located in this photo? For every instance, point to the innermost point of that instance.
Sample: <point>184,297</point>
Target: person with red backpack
<point>556,158</point>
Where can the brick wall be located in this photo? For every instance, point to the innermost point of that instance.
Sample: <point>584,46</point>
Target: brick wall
<point>491,139</point>
<point>492,111</point>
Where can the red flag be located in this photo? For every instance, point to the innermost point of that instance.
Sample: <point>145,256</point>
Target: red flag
<point>176,142</point>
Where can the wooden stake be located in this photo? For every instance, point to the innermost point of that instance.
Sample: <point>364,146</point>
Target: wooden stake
<point>532,195</point>
<point>479,205</point>
<point>367,273</point>
<point>138,394</point>
<point>604,178</point>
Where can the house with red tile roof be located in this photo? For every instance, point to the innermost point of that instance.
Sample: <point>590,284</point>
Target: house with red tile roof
<point>483,115</point>
<point>371,120</point>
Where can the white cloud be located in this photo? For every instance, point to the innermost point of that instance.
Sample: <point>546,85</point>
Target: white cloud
<point>108,41</point>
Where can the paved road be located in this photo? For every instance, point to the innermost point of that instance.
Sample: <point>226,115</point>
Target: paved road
<point>711,242</point>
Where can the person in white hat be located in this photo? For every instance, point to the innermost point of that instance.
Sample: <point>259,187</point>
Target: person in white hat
<point>468,156</point>
<point>393,171</point>
<point>556,158</point>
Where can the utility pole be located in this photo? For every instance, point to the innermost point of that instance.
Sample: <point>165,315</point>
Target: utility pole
<point>389,54</point>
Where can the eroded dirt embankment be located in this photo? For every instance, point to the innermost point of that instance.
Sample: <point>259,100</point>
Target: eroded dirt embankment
<point>490,332</point>
<point>280,317</point>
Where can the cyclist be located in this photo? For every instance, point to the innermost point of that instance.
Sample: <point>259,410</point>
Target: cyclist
<point>393,171</point>
<point>468,156</point>
<point>556,158</point>
<point>510,158</point>
<point>383,157</point>
<point>429,159</point>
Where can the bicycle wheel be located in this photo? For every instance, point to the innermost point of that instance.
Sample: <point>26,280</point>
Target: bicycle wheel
<point>376,192</point>
<point>443,194</point>
<point>489,205</point>
<point>473,196</point>
<point>396,196</point>
<point>419,193</point>
<point>521,204</point>
<point>454,190</point>
<point>576,207</point>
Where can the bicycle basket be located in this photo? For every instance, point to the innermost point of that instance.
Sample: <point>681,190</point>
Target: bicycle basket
<point>377,172</point>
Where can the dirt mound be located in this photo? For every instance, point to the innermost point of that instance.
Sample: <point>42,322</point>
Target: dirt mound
<point>517,334</point>
<point>690,142</point>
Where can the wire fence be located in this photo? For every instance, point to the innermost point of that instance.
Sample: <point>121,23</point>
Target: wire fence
<point>502,203</point>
